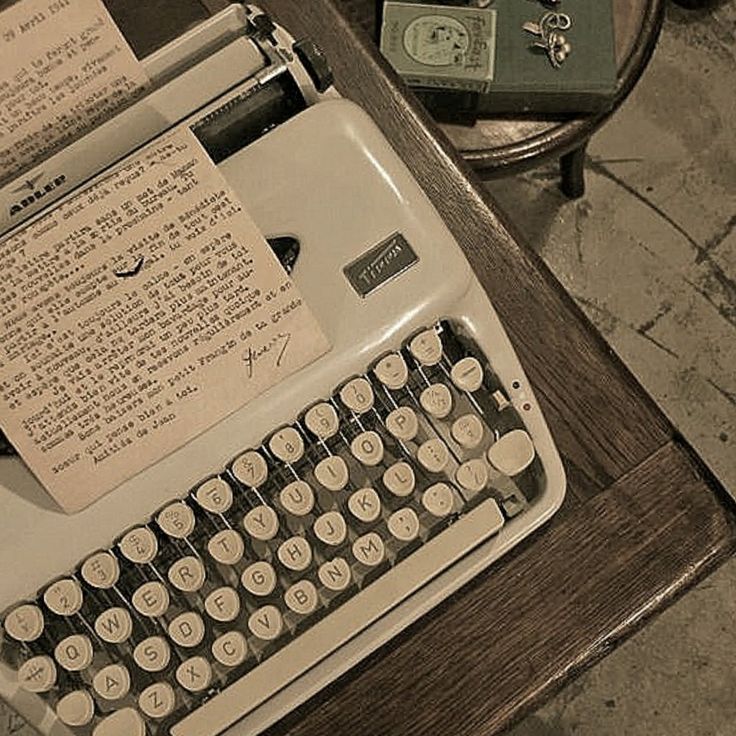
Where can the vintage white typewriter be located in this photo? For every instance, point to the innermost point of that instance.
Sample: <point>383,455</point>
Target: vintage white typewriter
<point>224,586</point>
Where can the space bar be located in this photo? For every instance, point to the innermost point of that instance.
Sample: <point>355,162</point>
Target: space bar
<point>309,648</point>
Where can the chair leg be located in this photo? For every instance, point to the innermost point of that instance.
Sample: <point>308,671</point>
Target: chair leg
<point>693,4</point>
<point>572,168</point>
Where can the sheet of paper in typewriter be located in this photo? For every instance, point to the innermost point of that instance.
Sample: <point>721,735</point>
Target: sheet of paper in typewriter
<point>136,315</point>
<point>64,68</point>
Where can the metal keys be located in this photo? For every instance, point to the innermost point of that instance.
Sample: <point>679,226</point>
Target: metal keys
<point>37,674</point>
<point>392,371</point>
<point>25,623</point>
<point>64,598</point>
<point>551,38</point>
<point>218,581</point>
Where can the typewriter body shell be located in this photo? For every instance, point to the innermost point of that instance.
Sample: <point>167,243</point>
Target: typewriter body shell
<point>327,177</point>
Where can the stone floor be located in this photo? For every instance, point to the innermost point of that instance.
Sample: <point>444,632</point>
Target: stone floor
<point>650,255</point>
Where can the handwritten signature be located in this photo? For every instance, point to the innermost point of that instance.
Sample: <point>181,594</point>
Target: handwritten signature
<point>276,345</point>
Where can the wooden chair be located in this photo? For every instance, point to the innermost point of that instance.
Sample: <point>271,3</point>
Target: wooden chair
<point>504,146</point>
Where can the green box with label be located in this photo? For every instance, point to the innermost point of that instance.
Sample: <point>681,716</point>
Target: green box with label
<point>488,51</point>
<point>440,46</point>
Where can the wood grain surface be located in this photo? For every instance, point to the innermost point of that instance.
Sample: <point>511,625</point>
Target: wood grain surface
<point>148,26</point>
<point>504,145</point>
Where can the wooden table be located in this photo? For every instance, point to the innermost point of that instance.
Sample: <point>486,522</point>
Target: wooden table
<point>643,520</point>
<point>503,146</point>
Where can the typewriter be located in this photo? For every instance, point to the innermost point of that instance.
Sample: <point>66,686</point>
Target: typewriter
<point>224,586</point>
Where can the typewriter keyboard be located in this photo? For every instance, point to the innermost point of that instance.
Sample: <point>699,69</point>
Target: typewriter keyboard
<point>203,611</point>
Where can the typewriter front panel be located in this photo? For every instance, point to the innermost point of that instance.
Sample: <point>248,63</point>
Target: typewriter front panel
<point>303,179</point>
<point>377,266</point>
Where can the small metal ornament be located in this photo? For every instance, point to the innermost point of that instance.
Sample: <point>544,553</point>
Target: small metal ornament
<point>551,37</point>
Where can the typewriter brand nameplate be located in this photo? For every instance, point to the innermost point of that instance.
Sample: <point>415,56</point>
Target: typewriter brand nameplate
<point>64,68</point>
<point>136,315</point>
<point>380,264</point>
